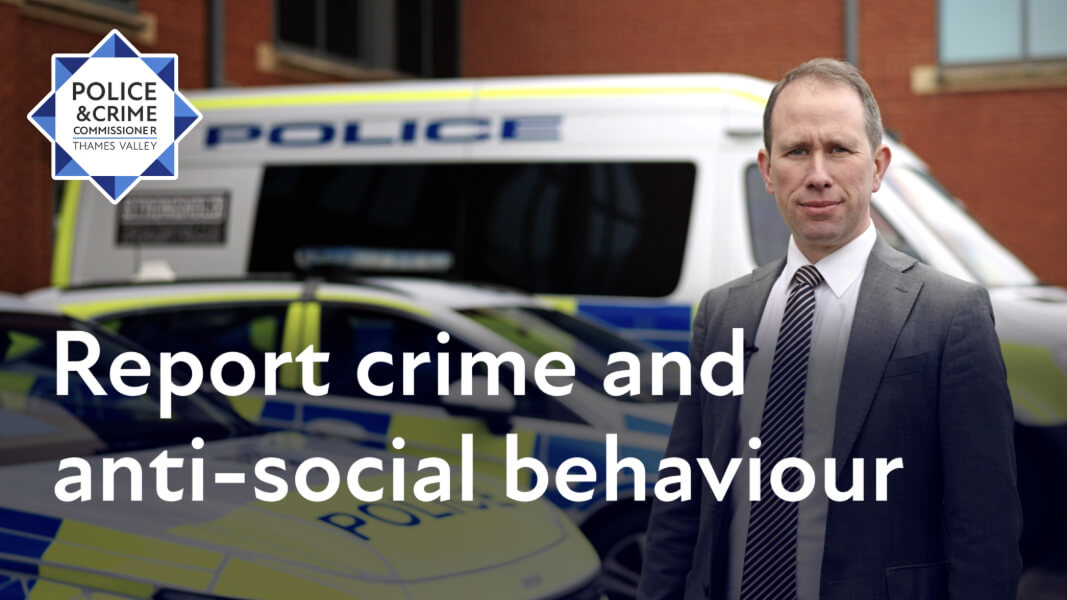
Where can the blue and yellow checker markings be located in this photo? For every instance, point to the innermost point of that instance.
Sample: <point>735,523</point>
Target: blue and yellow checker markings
<point>97,557</point>
<point>24,536</point>
<point>664,326</point>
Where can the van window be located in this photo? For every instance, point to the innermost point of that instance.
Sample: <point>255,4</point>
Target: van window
<point>558,228</point>
<point>770,235</point>
<point>987,260</point>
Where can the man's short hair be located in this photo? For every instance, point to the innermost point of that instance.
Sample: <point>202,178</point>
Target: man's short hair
<point>831,71</point>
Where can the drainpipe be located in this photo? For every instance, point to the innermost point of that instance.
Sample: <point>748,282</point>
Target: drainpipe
<point>852,33</point>
<point>216,39</point>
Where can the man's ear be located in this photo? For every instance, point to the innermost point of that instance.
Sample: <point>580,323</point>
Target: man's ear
<point>882,156</point>
<point>764,160</point>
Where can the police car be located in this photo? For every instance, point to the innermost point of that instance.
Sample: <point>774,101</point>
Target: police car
<point>130,538</point>
<point>396,315</point>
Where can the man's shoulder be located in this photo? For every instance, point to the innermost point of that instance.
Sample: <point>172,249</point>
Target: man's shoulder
<point>937,291</point>
<point>933,281</point>
<point>756,276</point>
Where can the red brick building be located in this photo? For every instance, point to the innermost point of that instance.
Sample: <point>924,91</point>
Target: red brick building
<point>992,133</point>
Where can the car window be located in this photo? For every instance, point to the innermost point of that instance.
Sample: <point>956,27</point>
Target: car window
<point>349,334</point>
<point>989,262</point>
<point>770,235</point>
<point>37,423</point>
<point>208,332</point>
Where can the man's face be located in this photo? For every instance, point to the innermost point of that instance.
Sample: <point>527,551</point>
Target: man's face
<point>820,167</point>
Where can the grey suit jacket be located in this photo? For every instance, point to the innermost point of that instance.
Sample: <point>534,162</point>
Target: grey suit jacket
<point>923,380</point>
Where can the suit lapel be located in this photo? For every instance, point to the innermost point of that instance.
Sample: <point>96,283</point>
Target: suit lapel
<point>744,308</point>
<point>885,299</point>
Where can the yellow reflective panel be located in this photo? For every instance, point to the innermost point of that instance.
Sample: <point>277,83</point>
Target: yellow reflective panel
<point>111,552</point>
<point>1038,386</point>
<point>20,344</point>
<point>50,590</point>
<point>336,296</point>
<point>102,538</point>
<point>292,342</point>
<point>515,93</point>
<point>17,382</point>
<point>92,310</point>
<point>111,325</point>
<point>427,436</point>
<point>63,250</point>
<point>118,585</point>
<point>262,332</point>
<point>311,333</point>
<point>564,304</point>
<point>249,407</point>
<point>126,565</point>
<point>297,99</point>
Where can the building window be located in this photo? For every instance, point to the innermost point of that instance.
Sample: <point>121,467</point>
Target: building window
<point>998,31</point>
<point>127,5</point>
<point>414,37</point>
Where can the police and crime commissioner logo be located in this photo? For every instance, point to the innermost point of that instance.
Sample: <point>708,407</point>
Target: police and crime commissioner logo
<point>114,116</point>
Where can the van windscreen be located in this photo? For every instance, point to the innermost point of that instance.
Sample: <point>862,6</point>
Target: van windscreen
<point>598,228</point>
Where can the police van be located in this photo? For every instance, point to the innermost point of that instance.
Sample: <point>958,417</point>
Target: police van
<point>622,198</point>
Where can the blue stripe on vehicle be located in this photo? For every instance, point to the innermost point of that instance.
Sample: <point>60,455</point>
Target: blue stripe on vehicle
<point>12,590</point>
<point>646,425</point>
<point>668,345</point>
<point>279,411</point>
<point>23,546</point>
<point>18,567</point>
<point>373,422</point>
<point>18,520</point>
<point>632,316</point>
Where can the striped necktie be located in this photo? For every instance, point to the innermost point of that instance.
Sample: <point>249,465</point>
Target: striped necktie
<point>770,566</point>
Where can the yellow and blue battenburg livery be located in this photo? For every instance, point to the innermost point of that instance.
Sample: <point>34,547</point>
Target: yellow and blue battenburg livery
<point>127,536</point>
<point>404,315</point>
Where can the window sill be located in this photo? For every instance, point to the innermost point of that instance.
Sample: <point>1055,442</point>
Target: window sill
<point>297,65</point>
<point>931,79</point>
<point>138,27</point>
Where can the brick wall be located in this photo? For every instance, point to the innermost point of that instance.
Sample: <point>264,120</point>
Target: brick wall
<point>996,151</point>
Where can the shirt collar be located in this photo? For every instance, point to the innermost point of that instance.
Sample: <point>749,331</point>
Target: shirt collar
<point>842,267</point>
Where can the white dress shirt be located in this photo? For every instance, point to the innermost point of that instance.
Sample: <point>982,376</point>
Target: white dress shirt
<point>835,306</point>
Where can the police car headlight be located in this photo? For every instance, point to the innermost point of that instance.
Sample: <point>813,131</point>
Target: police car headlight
<point>183,595</point>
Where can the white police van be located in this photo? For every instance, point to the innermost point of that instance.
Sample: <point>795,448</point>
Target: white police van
<point>622,198</point>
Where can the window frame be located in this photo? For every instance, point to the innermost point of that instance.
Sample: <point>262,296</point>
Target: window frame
<point>1023,57</point>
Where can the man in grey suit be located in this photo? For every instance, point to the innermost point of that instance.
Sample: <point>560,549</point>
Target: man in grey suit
<point>854,351</point>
